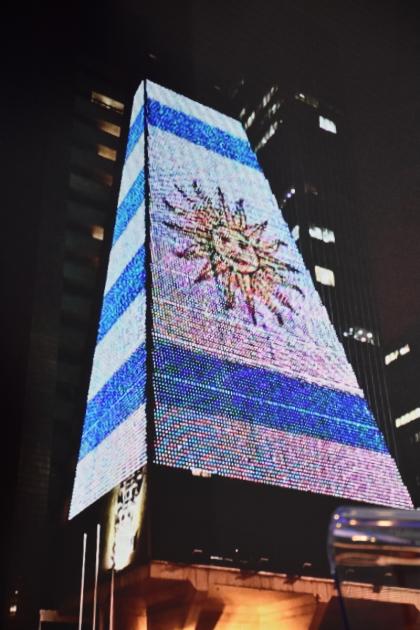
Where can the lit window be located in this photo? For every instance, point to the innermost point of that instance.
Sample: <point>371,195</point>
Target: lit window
<point>266,137</point>
<point>267,97</point>
<point>325,276</point>
<point>408,417</point>
<point>393,356</point>
<point>327,124</point>
<point>322,234</point>
<point>106,152</point>
<point>295,232</point>
<point>97,232</point>
<point>273,109</point>
<point>306,98</point>
<point>362,335</point>
<point>113,130</point>
<point>249,120</point>
<point>107,102</point>
<point>199,472</point>
<point>242,113</point>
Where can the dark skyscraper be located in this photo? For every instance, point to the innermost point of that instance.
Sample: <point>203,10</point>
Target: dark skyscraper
<point>83,154</point>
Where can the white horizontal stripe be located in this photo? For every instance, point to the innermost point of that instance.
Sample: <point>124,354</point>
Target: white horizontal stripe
<point>125,336</point>
<point>117,457</point>
<point>125,247</point>
<point>186,105</point>
<point>132,168</point>
<point>138,102</point>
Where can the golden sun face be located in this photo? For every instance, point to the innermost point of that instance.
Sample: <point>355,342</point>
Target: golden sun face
<point>236,254</point>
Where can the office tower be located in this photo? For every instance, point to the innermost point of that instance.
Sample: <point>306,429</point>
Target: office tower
<point>81,133</point>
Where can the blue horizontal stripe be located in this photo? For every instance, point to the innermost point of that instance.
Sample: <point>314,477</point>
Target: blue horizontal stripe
<point>214,387</point>
<point>128,286</point>
<point>118,398</point>
<point>201,133</point>
<point>129,206</point>
<point>135,133</point>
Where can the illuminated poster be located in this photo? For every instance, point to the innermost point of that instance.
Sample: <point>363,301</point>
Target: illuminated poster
<point>250,380</point>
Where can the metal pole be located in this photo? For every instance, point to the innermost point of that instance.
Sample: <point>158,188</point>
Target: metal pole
<point>111,602</point>
<point>82,582</point>
<point>95,592</point>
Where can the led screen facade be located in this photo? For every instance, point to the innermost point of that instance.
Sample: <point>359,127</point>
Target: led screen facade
<point>250,380</point>
<point>113,443</point>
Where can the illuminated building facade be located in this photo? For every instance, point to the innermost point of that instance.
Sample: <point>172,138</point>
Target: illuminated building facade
<point>248,377</point>
<point>218,379</point>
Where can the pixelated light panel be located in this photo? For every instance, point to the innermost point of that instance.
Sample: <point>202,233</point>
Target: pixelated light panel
<point>113,443</point>
<point>250,379</point>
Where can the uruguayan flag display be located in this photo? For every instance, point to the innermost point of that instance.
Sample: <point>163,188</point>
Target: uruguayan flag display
<point>250,380</point>
<point>113,444</point>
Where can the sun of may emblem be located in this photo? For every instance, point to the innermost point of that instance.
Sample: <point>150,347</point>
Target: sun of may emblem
<point>236,254</point>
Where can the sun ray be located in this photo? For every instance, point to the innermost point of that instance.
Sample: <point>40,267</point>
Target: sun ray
<point>193,251</point>
<point>237,254</point>
<point>254,232</point>
<point>205,273</point>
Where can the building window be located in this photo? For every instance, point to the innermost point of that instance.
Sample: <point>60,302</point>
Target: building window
<point>107,102</point>
<point>360,334</point>
<point>408,417</point>
<point>104,178</point>
<point>393,356</point>
<point>106,152</point>
<point>327,124</point>
<point>268,96</point>
<point>322,234</point>
<point>273,109</point>
<point>325,276</point>
<point>97,232</point>
<point>249,120</point>
<point>266,137</point>
<point>307,99</point>
<point>113,130</point>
